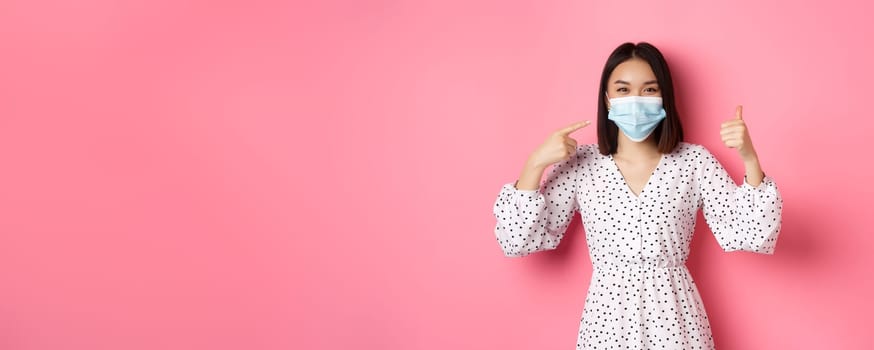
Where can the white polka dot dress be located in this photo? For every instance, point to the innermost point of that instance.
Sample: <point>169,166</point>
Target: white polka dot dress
<point>641,296</point>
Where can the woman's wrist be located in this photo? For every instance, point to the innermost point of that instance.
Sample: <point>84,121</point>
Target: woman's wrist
<point>751,162</point>
<point>532,164</point>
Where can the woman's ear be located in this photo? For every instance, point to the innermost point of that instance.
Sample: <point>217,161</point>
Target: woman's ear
<point>607,100</point>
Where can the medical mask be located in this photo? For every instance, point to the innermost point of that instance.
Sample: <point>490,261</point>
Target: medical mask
<point>636,116</point>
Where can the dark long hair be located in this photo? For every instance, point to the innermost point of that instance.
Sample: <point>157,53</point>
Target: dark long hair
<point>669,132</point>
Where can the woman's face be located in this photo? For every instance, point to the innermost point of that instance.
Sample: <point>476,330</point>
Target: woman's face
<point>632,78</point>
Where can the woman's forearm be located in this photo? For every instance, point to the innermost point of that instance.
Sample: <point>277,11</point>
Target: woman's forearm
<point>530,177</point>
<point>754,174</point>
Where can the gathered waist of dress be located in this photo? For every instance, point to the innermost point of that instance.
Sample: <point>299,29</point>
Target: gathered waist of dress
<point>639,265</point>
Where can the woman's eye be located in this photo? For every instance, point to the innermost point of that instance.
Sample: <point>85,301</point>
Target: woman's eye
<point>650,89</point>
<point>622,89</point>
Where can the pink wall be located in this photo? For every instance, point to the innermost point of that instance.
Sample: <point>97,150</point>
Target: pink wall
<point>259,175</point>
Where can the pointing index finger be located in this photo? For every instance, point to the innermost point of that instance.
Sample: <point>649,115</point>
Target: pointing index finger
<point>738,112</point>
<point>573,127</point>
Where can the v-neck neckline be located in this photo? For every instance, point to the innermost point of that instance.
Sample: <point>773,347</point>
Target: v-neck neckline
<point>646,186</point>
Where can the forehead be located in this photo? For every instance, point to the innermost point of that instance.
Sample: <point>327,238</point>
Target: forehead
<point>633,71</point>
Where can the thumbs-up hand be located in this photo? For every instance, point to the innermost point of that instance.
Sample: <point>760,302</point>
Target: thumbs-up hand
<point>558,146</point>
<point>735,135</point>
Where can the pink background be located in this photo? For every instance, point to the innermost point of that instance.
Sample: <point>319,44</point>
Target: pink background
<point>266,175</point>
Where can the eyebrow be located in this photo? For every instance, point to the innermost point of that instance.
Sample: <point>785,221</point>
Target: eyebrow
<point>627,83</point>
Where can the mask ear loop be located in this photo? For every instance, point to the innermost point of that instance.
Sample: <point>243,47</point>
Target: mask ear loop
<point>608,100</point>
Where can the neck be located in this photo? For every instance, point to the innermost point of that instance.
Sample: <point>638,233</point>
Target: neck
<point>627,149</point>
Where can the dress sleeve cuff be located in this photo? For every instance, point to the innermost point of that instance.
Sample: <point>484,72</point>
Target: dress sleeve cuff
<point>520,196</point>
<point>767,182</point>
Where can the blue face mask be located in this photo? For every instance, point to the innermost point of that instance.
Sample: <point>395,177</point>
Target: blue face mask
<point>636,116</point>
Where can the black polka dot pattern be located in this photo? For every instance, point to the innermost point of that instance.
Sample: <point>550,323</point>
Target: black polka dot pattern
<point>641,295</point>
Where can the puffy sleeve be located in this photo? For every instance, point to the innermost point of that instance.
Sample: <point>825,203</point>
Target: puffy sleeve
<point>536,220</point>
<point>741,217</point>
